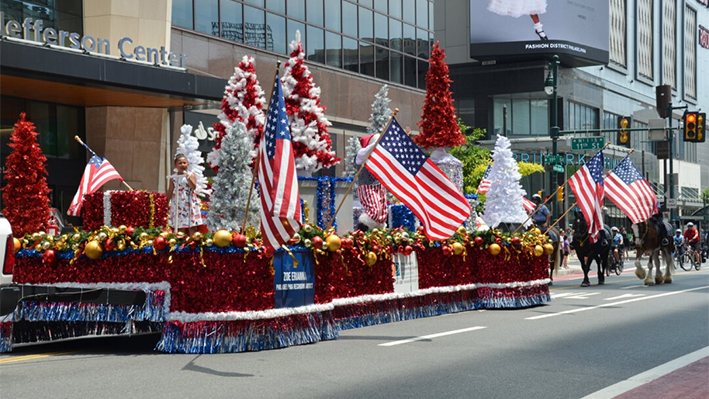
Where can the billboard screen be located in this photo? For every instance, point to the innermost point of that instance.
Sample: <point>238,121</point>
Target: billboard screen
<point>527,29</point>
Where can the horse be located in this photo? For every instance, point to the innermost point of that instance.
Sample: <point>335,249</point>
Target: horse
<point>648,240</point>
<point>587,252</point>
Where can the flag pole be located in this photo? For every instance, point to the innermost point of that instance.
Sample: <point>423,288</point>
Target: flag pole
<point>552,195</point>
<point>77,138</point>
<point>256,160</point>
<point>354,179</point>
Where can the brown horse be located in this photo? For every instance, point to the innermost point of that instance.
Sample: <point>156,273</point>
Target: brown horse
<point>648,240</point>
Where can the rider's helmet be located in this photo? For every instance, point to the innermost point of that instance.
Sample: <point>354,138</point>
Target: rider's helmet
<point>614,228</point>
<point>678,231</point>
<point>690,224</point>
<point>537,196</point>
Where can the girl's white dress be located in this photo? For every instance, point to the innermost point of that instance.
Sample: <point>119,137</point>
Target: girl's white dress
<point>184,205</point>
<point>517,8</point>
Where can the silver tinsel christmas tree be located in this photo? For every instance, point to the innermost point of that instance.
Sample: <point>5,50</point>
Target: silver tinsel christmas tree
<point>380,111</point>
<point>232,183</point>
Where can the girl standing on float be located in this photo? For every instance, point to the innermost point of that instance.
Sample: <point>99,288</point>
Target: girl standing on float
<point>185,214</point>
<point>517,8</point>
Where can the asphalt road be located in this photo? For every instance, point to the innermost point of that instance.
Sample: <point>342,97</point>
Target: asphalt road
<point>587,341</point>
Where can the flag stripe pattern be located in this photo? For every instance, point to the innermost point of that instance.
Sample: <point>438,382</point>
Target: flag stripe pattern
<point>373,199</point>
<point>280,199</point>
<point>417,182</point>
<point>97,173</point>
<point>629,190</point>
<point>484,185</point>
<point>587,185</point>
<point>528,205</point>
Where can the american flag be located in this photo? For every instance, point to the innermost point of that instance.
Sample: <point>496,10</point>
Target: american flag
<point>587,185</point>
<point>280,200</point>
<point>408,173</point>
<point>484,185</point>
<point>97,172</point>
<point>629,190</point>
<point>528,205</point>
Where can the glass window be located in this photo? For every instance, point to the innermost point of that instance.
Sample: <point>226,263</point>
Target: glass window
<point>669,42</point>
<point>294,26</point>
<point>278,6</point>
<point>182,15</point>
<point>382,63</point>
<point>645,35</point>
<point>350,50</point>
<point>314,9</point>
<point>410,11</point>
<point>381,6</point>
<point>396,38</point>
<point>618,31</point>
<point>520,116</point>
<point>410,71</point>
<point>465,109</point>
<point>381,30</point>
<point>296,9</point>
<point>422,41</point>
<point>316,44</point>
<point>276,31</point>
<point>366,24</point>
<point>258,3</point>
<point>395,8</point>
<point>409,39</point>
<point>349,24</point>
<point>254,27</point>
<point>366,58</point>
<point>430,16</point>
<point>539,117</point>
<point>333,14</point>
<point>499,112</point>
<point>232,24</point>
<point>690,52</point>
<point>207,16</point>
<point>582,117</point>
<point>366,3</point>
<point>333,54</point>
<point>422,13</point>
<point>397,67</point>
<point>423,69</point>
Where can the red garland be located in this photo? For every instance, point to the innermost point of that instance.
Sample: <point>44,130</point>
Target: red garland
<point>128,208</point>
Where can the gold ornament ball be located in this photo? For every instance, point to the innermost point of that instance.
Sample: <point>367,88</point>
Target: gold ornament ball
<point>537,231</point>
<point>461,231</point>
<point>93,250</point>
<point>538,251</point>
<point>371,258</point>
<point>209,242</point>
<point>333,242</point>
<point>458,248</point>
<point>494,249</point>
<point>76,237</point>
<point>121,245</point>
<point>197,236</point>
<point>122,229</point>
<point>102,236</point>
<point>307,243</point>
<point>172,242</point>
<point>143,236</point>
<point>16,243</point>
<point>296,238</point>
<point>548,249</point>
<point>307,228</point>
<point>46,245</point>
<point>222,238</point>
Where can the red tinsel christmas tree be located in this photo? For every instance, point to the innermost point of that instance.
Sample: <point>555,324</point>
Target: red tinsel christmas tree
<point>25,196</point>
<point>438,125</point>
<point>312,146</point>
<point>243,101</point>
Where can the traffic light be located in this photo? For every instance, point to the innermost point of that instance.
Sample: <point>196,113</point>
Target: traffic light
<point>690,126</point>
<point>701,119</point>
<point>623,132</point>
<point>560,194</point>
<point>541,194</point>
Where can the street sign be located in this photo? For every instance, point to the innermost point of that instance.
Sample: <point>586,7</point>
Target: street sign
<point>553,159</point>
<point>558,168</point>
<point>587,143</point>
<point>672,203</point>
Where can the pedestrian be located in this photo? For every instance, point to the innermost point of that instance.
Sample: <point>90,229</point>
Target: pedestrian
<point>185,213</point>
<point>565,250</point>
<point>626,243</point>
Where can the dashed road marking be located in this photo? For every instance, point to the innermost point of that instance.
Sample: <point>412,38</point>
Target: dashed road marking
<point>431,336</point>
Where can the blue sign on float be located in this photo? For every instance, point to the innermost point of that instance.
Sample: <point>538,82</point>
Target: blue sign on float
<point>294,284</point>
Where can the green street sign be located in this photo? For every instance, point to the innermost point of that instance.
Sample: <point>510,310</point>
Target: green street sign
<point>558,168</point>
<point>553,159</point>
<point>587,143</point>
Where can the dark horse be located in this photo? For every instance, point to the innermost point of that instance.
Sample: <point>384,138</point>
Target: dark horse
<point>587,252</point>
<point>648,240</point>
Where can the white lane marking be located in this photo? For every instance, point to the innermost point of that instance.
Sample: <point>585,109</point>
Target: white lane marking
<point>423,337</point>
<point>544,316</point>
<point>648,376</point>
<point>585,295</point>
<point>573,294</point>
<point>623,296</point>
<point>634,286</point>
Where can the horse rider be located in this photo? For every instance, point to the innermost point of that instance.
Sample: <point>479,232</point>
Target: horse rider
<point>691,237</point>
<point>617,243</point>
<point>656,219</point>
<point>542,216</point>
<point>678,240</point>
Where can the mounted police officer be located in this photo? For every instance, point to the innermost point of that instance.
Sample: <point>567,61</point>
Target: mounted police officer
<point>542,216</point>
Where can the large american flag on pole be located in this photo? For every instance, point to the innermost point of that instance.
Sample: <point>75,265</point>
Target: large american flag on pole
<point>528,205</point>
<point>587,185</point>
<point>280,199</point>
<point>408,173</point>
<point>484,185</point>
<point>629,190</point>
<point>97,172</point>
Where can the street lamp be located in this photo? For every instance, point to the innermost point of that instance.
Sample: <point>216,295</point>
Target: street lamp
<point>550,85</point>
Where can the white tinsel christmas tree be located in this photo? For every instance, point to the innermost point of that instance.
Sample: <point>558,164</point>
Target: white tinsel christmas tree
<point>188,145</point>
<point>503,202</point>
<point>232,184</point>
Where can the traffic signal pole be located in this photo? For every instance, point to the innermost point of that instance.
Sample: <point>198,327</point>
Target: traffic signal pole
<point>671,138</point>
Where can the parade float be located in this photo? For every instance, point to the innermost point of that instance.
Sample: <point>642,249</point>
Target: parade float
<point>222,291</point>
